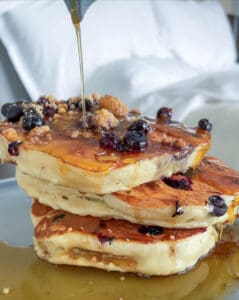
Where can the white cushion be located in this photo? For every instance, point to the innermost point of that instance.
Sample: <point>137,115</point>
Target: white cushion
<point>198,32</point>
<point>133,78</point>
<point>7,5</point>
<point>43,46</point>
<point>41,43</point>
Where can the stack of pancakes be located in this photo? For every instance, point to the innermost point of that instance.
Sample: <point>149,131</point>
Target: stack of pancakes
<point>117,191</point>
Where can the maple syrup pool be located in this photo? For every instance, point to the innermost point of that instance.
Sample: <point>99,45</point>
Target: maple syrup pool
<point>24,276</point>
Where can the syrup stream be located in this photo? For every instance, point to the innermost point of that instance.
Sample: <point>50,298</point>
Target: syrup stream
<point>76,23</point>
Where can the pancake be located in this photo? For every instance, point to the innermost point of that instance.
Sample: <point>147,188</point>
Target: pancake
<point>60,149</point>
<point>116,245</point>
<point>154,203</point>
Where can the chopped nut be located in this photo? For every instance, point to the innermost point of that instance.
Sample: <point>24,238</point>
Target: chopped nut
<point>5,290</point>
<point>35,139</point>
<point>75,134</point>
<point>96,96</point>
<point>94,259</point>
<point>40,131</point>
<point>104,118</point>
<point>10,134</point>
<point>135,111</point>
<point>49,137</point>
<point>63,105</point>
<point>70,112</point>
<point>179,143</point>
<point>167,140</point>
<point>57,116</point>
<point>86,134</point>
<point>61,110</point>
<point>114,105</point>
<point>89,97</point>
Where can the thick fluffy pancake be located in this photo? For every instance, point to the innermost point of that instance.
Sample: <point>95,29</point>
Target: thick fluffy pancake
<point>150,203</point>
<point>116,245</point>
<point>65,154</point>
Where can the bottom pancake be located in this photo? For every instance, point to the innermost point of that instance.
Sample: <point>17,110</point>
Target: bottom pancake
<point>117,245</point>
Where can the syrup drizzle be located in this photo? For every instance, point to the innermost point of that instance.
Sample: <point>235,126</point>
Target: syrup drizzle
<point>76,23</point>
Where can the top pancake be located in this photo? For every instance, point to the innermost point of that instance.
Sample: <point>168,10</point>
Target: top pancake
<point>67,154</point>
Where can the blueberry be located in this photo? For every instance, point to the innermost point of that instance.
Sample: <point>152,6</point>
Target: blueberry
<point>13,149</point>
<point>43,101</point>
<point>58,217</point>
<point>88,124</point>
<point>151,230</point>
<point>73,106</point>
<point>139,125</point>
<point>89,106</point>
<point>120,147</point>
<point>205,125</point>
<point>4,108</point>
<point>135,141</point>
<point>217,205</point>
<point>164,114</point>
<point>178,182</point>
<point>12,111</point>
<point>109,140</point>
<point>31,119</point>
<point>103,238</point>
<point>49,111</point>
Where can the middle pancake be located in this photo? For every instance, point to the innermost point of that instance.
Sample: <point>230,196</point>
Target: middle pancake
<point>210,197</point>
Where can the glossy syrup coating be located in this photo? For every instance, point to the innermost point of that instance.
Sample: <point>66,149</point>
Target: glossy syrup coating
<point>63,137</point>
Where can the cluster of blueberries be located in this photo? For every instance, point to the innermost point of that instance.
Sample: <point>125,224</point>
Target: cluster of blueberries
<point>135,140</point>
<point>14,111</point>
